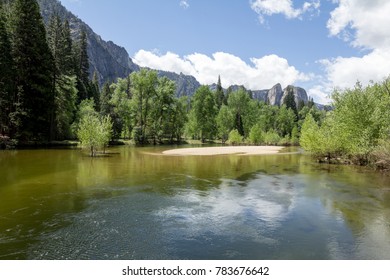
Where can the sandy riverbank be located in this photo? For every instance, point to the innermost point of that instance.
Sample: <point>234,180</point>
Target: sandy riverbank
<point>210,151</point>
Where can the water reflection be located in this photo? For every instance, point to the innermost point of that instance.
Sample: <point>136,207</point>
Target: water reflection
<point>138,204</point>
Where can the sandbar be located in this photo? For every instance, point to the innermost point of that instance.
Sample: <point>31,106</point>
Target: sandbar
<point>211,151</point>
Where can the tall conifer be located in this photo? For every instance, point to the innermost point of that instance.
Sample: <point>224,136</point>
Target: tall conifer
<point>6,67</point>
<point>33,68</point>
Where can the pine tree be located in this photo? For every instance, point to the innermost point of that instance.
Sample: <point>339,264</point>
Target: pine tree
<point>105,96</point>
<point>219,94</point>
<point>290,103</point>
<point>67,58</point>
<point>33,69</point>
<point>63,80</point>
<point>6,76</point>
<point>95,90</point>
<point>82,68</point>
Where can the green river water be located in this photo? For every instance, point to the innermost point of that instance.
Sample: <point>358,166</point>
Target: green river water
<point>138,204</point>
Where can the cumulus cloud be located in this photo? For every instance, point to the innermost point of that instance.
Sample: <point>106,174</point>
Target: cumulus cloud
<point>285,7</point>
<point>261,73</point>
<point>366,22</point>
<point>184,4</point>
<point>365,25</point>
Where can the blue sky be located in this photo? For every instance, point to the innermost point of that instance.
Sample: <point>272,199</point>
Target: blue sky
<point>316,44</point>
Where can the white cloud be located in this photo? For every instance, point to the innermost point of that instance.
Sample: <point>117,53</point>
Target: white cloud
<point>262,73</point>
<point>369,20</point>
<point>365,25</point>
<point>184,4</point>
<point>285,7</point>
<point>345,72</point>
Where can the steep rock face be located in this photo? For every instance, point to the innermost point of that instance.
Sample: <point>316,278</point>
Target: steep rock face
<point>275,95</point>
<point>299,94</point>
<point>185,85</point>
<point>107,59</point>
<point>261,95</point>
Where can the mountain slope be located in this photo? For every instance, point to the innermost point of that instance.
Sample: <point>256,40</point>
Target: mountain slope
<point>111,61</point>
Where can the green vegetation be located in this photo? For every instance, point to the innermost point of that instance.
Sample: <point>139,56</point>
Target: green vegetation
<point>356,130</point>
<point>54,99</point>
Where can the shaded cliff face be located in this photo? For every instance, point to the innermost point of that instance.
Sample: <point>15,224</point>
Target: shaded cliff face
<point>299,94</point>
<point>107,59</point>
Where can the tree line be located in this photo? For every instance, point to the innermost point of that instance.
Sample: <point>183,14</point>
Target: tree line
<point>44,74</point>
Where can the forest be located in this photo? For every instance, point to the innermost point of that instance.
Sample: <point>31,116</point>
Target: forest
<point>46,95</point>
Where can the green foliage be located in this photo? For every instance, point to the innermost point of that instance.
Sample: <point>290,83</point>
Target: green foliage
<point>33,80</point>
<point>289,101</point>
<point>235,137</point>
<point>310,135</point>
<point>219,94</point>
<point>356,126</point>
<point>65,106</point>
<point>143,87</point>
<point>94,133</point>
<point>224,122</point>
<point>203,113</point>
<point>271,137</point>
<point>238,102</point>
<point>285,121</point>
<point>256,136</point>
<point>6,76</point>
<point>295,136</point>
<point>82,67</point>
<point>65,91</point>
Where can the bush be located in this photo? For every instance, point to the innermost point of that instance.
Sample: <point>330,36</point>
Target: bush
<point>235,137</point>
<point>94,133</point>
<point>256,135</point>
<point>271,138</point>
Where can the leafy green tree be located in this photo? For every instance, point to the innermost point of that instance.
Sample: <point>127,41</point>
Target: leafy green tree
<point>94,133</point>
<point>143,87</point>
<point>235,137</point>
<point>256,134</point>
<point>120,108</point>
<point>271,137</point>
<point>295,135</point>
<point>179,119</point>
<point>310,134</point>
<point>33,70</point>
<point>285,121</point>
<point>203,113</point>
<point>225,123</point>
<point>162,111</point>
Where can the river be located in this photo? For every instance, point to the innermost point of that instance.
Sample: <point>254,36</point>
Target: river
<point>135,203</point>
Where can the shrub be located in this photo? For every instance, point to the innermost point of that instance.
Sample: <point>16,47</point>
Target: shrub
<point>235,137</point>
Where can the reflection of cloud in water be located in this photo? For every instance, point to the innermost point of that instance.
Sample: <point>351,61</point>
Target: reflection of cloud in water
<point>250,211</point>
<point>375,232</point>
